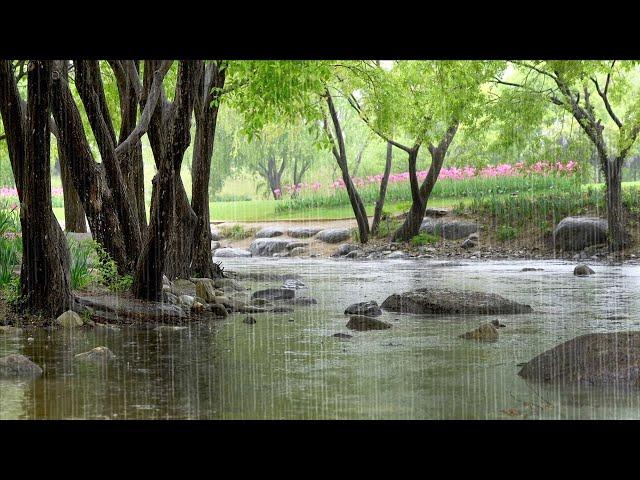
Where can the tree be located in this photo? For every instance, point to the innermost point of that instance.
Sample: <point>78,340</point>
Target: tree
<point>44,278</point>
<point>592,92</point>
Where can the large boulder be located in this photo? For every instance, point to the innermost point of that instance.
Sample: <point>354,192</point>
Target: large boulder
<point>215,234</point>
<point>577,233</point>
<point>346,249</point>
<point>450,230</point>
<point>16,365</point>
<point>446,301</point>
<point>205,290</point>
<point>69,319</point>
<point>583,270</point>
<point>228,252</point>
<point>435,212</point>
<point>333,235</point>
<point>364,323</point>
<point>269,232</point>
<point>370,309</point>
<point>591,359</point>
<point>302,232</point>
<point>266,247</point>
<point>274,294</point>
<point>95,355</point>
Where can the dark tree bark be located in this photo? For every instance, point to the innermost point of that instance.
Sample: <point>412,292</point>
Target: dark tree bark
<point>210,84</point>
<point>169,135</point>
<point>340,154</point>
<point>377,214</point>
<point>74,217</point>
<point>420,195</point>
<point>44,278</point>
<point>273,174</point>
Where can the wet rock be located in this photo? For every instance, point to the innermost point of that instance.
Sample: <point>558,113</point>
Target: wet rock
<point>435,212</point>
<point>261,302</point>
<point>215,245</point>
<point>298,251</point>
<point>186,300</point>
<point>169,297</point>
<point>446,301</point>
<point>486,332</point>
<point>294,284</point>
<point>346,248</point>
<point>205,290</point>
<point>10,331</point>
<point>198,307</point>
<point>266,247</point>
<point>576,233</point>
<point>282,310</point>
<point>369,309</point>
<point>95,355</point>
<point>398,254</point>
<point>251,309</point>
<point>531,269</point>
<point>228,284</point>
<point>229,252</point>
<point>303,301</point>
<point>302,232</point>
<point>496,323</point>
<point>249,320</point>
<point>108,326</point>
<point>591,359</point>
<point>69,319</point>
<point>345,336</point>
<point>218,310</point>
<point>450,230</point>
<point>583,271</point>
<point>269,232</point>
<point>468,243</point>
<point>333,235</point>
<point>18,366</point>
<point>353,254</point>
<point>215,234</point>
<point>294,245</point>
<point>169,328</point>
<point>184,284</point>
<point>364,323</point>
<point>274,294</point>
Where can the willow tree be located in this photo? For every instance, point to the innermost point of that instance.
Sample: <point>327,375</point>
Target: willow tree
<point>603,102</point>
<point>44,278</point>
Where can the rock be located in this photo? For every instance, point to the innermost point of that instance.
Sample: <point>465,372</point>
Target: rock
<point>583,270</point>
<point>186,300</point>
<point>435,212</point>
<point>294,245</point>
<point>197,307</point>
<point>8,330</point>
<point>266,247</point>
<point>486,332</point>
<point>294,283</point>
<point>296,252</point>
<point>342,335</point>
<point>69,319</point>
<point>215,234</point>
<point>249,320</point>
<point>592,359</point>
<point>398,254</point>
<point>274,294</point>
<point>369,309</point>
<point>229,252</point>
<point>95,355</point>
<point>345,249</point>
<point>468,243</point>
<point>531,269</point>
<point>169,297</point>
<point>218,310</point>
<point>261,302</point>
<point>450,230</point>
<point>333,235</point>
<point>474,236</point>
<point>302,232</point>
<point>576,233</point>
<point>215,245</point>
<point>165,280</point>
<point>496,323</point>
<point>303,301</point>
<point>108,326</point>
<point>205,291</point>
<point>184,284</point>
<point>282,310</point>
<point>16,365</point>
<point>228,284</point>
<point>353,254</point>
<point>269,232</point>
<point>446,301</point>
<point>363,323</point>
<point>169,328</point>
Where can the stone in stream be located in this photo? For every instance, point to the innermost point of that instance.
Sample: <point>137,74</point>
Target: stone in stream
<point>275,294</point>
<point>583,271</point>
<point>333,235</point>
<point>169,328</point>
<point>297,251</point>
<point>186,300</point>
<point>353,254</point>
<point>486,332</point>
<point>364,323</point>
<point>8,330</point>
<point>249,320</point>
<point>269,232</point>
<point>218,310</point>
<point>592,359</point>
<point>205,290</point>
<point>468,243</point>
<point>303,301</point>
<point>229,252</point>
<point>369,309</point>
<point>346,249</point>
<point>228,284</point>
<point>531,269</point>
<point>16,365</point>
<point>294,245</point>
<point>450,230</point>
<point>95,355</point>
<point>294,284</point>
<point>398,254</point>
<point>577,233</point>
<point>496,323</point>
<point>266,247</point>
<point>302,232</point>
<point>345,336</point>
<point>446,301</point>
<point>69,319</point>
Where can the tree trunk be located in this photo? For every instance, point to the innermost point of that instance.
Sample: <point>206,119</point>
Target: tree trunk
<point>74,218</point>
<point>615,210</point>
<point>377,215</point>
<point>181,237</point>
<point>44,279</point>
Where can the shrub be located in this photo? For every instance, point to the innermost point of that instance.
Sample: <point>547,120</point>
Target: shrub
<point>108,271</point>
<point>236,232</point>
<point>10,253</point>
<point>80,253</point>
<point>424,238</point>
<point>506,232</point>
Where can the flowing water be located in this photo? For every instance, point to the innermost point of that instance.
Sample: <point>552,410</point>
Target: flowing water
<point>288,366</point>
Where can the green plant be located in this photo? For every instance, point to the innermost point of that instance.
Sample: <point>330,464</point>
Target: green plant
<point>108,271</point>
<point>79,268</point>
<point>11,289</point>
<point>10,249</point>
<point>236,232</point>
<point>507,232</point>
<point>424,238</point>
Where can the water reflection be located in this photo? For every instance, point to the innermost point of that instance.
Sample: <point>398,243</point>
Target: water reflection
<point>289,366</point>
